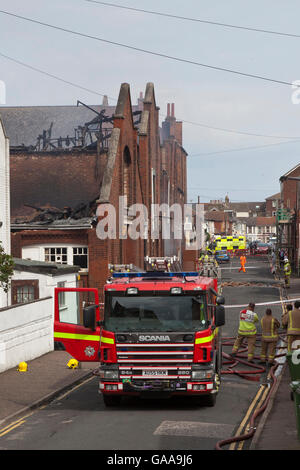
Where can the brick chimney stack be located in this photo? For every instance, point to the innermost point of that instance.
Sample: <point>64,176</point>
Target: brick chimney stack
<point>141,101</point>
<point>172,128</point>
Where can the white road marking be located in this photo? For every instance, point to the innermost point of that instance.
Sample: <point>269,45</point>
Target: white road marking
<point>246,267</point>
<point>263,303</point>
<point>194,429</point>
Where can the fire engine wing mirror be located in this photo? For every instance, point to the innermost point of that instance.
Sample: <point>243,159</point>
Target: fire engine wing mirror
<point>220,316</point>
<point>220,300</point>
<point>89,316</point>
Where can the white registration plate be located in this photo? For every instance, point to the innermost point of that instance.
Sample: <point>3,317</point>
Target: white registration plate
<point>155,372</point>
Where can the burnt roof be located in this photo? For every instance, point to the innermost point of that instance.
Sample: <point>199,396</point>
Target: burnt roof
<point>24,124</point>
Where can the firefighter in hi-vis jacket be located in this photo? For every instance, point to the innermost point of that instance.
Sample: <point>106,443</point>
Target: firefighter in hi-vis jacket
<point>269,337</point>
<point>247,329</point>
<point>292,320</point>
<point>287,272</point>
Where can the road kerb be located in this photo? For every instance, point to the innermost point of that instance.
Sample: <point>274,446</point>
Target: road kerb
<point>43,400</point>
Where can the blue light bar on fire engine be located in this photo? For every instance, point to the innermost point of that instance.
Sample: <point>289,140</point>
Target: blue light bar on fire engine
<point>155,274</point>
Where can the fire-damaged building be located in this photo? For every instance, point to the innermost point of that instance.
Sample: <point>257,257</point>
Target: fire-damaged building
<point>69,162</point>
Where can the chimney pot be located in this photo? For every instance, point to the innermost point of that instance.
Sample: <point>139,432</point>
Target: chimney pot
<point>105,100</point>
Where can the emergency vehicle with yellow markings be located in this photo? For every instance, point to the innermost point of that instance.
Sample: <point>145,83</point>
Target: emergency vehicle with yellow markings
<point>158,334</point>
<point>230,243</point>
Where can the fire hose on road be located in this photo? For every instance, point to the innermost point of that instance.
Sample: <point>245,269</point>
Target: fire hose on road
<point>253,374</point>
<point>251,429</point>
<point>239,365</point>
<point>255,369</point>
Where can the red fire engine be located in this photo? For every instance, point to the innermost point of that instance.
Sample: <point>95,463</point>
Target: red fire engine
<point>158,335</point>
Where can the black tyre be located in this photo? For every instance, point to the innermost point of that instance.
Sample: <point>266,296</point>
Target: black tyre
<point>206,400</point>
<point>210,400</point>
<point>112,400</point>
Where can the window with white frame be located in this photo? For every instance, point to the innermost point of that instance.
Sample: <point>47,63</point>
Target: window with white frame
<point>61,295</point>
<point>72,255</point>
<point>80,257</point>
<point>56,255</point>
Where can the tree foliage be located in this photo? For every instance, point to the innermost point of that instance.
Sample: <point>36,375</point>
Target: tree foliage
<point>6,269</point>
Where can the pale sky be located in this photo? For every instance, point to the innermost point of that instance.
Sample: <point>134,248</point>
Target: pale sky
<point>204,96</point>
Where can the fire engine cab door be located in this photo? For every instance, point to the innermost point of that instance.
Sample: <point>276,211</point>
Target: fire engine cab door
<point>69,333</point>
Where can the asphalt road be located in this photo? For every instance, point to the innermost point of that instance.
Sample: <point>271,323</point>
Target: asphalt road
<point>79,420</point>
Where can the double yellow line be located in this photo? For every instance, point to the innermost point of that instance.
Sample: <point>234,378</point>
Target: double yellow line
<point>10,427</point>
<point>255,405</point>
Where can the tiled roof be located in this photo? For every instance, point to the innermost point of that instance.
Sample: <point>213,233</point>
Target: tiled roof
<point>275,196</point>
<point>217,216</point>
<point>261,221</point>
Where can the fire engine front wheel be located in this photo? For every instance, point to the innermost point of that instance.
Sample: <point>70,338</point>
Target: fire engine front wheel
<point>210,400</point>
<point>207,400</point>
<point>112,400</point>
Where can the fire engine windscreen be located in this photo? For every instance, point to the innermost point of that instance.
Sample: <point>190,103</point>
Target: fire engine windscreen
<point>155,313</point>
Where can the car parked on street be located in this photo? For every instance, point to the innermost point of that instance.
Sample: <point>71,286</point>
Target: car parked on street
<point>222,256</point>
<point>262,249</point>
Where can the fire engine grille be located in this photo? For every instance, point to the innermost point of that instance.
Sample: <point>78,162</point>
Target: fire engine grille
<point>166,359</point>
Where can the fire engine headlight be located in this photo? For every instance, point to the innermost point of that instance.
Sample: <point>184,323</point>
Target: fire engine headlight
<point>202,374</point>
<point>132,291</point>
<point>176,290</point>
<point>111,374</point>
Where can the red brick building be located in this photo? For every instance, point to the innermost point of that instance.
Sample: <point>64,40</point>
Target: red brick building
<point>289,217</point>
<point>272,204</point>
<point>219,221</point>
<point>69,163</point>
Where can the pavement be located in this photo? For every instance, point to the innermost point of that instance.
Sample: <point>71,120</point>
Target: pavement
<point>49,376</point>
<point>46,377</point>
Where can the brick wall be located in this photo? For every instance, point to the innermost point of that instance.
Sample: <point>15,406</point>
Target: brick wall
<point>5,191</point>
<point>57,179</point>
<point>190,260</point>
<point>289,190</point>
<point>38,237</point>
